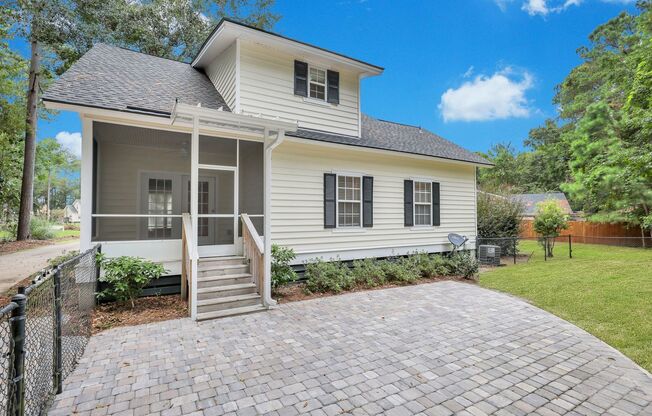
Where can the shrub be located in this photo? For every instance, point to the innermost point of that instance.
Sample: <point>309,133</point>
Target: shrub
<point>368,272</point>
<point>499,217</point>
<point>282,273</point>
<point>40,229</point>
<point>126,277</point>
<point>67,255</point>
<point>332,276</point>
<point>432,265</point>
<point>463,264</point>
<point>401,270</point>
<point>549,220</point>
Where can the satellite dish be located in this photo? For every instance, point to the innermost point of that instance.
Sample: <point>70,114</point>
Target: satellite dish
<point>457,240</point>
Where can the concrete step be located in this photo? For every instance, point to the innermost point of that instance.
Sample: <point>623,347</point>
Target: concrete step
<point>214,292</point>
<point>229,302</point>
<point>224,280</point>
<point>230,312</point>
<point>221,261</point>
<point>221,270</point>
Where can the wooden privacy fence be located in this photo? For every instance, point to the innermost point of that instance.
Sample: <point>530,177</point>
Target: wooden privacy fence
<point>596,233</point>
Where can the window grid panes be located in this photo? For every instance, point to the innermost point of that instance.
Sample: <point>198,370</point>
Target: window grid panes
<point>422,203</point>
<point>317,83</point>
<point>159,202</point>
<point>349,194</point>
<point>202,207</point>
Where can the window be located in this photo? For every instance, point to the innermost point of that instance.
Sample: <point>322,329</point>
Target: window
<point>349,201</point>
<point>422,203</point>
<point>317,83</point>
<point>159,202</point>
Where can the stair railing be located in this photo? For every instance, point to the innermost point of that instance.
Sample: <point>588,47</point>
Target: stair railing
<point>188,262</point>
<point>254,251</point>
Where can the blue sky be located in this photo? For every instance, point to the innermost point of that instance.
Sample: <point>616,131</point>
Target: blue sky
<point>476,72</point>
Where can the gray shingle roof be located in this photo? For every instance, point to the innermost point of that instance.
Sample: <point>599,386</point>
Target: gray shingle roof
<point>119,79</point>
<point>530,201</point>
<point>386,135</point>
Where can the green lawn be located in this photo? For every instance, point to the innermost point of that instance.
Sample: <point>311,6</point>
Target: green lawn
<point>605,290</point>
<point>66,233</point>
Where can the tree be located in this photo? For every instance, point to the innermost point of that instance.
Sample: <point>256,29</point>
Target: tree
<point>549,220</point>
<point>52,161</point>
<point>499,217</point>
<point>68,28</point>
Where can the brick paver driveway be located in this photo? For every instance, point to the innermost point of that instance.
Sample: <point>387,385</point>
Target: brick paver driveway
<point>432,349</point>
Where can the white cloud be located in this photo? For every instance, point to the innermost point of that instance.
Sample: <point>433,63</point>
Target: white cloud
<point>533,7</point>
<point>70,141</point>
<point>545,7</point>
<point>494,97</point>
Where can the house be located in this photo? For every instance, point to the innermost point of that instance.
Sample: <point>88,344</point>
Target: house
<point>259,140</point>
<point>530,202</point>
<point>71,212</point>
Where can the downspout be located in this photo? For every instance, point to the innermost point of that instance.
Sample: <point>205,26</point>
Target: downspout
<point>269,147</point>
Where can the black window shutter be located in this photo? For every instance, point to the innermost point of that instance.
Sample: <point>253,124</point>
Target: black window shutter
<point>367,201</point>
<point>329,200</point>
<point>300,78</point>
<point>435,204</point>
<point>408,199</point>
<point>333,78</point>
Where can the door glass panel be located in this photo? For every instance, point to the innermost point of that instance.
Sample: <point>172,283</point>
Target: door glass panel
<point>217,151</point>
<point>218,231</point>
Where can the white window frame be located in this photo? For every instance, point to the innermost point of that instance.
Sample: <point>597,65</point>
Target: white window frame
<point>337,202</point>
<point>415,203</point>
<point>325,99</point>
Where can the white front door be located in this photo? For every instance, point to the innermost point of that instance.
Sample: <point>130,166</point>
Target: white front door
<point>216,225</point>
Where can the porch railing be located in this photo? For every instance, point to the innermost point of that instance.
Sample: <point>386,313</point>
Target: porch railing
<point>253,250</point>
<point>188,261</point>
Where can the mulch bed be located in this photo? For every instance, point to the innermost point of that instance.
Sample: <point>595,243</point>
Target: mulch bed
<point>295,293</point>
<point>8,247</point>
<point>147,310</point>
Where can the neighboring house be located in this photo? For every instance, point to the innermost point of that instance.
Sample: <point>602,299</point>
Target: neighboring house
<point>263,125</point>
<point>530,202</point>
<point>71,211</point>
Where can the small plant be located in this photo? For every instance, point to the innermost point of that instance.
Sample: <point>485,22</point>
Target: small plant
<point>402,270</point>
<point>40,229</point>
<point>368,272</point>
<point>126,277</point>
<point>432,265</point>
<point>463,264</point>
<point>282,273</point>
<point>549,220</point>
<point>67,255</point>
<point>331,276</point>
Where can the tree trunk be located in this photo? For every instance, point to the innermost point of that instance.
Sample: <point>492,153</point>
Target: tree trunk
<point>27,188</point>
<point>47,199</point>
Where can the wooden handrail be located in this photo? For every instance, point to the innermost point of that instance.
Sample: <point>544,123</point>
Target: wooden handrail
<point>254,251</point>
<point>188,259</point>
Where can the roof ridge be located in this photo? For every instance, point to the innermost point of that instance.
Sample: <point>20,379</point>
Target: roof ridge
<point>124,48</point>
<point>395,122</point>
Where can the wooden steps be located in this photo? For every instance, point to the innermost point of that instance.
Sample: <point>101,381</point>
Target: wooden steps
<point>225,288</point>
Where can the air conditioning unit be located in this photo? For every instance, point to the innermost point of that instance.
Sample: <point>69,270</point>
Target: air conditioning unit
<point>489,255</point>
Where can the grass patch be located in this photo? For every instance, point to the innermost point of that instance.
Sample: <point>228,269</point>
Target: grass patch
<point>605,290</point>
<point>66,234</point>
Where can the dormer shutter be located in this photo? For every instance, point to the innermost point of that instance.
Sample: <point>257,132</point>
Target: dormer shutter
<point>333,78</point>
<point>300,78</point>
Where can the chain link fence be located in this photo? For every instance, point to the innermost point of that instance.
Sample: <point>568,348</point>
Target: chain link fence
<point>43,333</point>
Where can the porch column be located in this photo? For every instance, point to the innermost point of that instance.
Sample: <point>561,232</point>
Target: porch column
<point>86,185</point>
<point>194,178</point>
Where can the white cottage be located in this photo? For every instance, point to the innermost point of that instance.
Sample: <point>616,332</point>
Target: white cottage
<point>259,140</point>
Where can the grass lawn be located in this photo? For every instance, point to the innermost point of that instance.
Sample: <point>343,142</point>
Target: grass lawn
<point>66,234</point>
<point>605,290</point>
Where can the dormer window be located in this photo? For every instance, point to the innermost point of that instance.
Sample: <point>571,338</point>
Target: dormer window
<point>317,83</point>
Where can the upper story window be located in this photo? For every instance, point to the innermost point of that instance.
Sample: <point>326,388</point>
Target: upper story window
<point>317,83</point>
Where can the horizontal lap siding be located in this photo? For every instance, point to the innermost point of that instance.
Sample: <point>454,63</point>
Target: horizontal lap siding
<point>222,74</point>
<point>297,198</point>
<point>267,87</point>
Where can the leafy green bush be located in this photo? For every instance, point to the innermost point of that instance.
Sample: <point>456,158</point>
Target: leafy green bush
<point>499,217</point>
<point>432,265</point>
<point>126,277</point>
<point>368,272</point>
<point>549,220</point>
<point>40,229</point>
<point>328,276</point>
<point>463,264</point>
<point>402,270</point>
<point>282,273</point>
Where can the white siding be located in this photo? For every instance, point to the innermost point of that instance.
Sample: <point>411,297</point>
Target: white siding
<point>297,202</point>
<point>222,72</point>
<point>267,87</point>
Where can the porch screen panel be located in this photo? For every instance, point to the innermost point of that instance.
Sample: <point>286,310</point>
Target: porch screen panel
<point>216,207</point>
<point>140,172</point>
<point>217,151</point>
<point>251,195</point>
